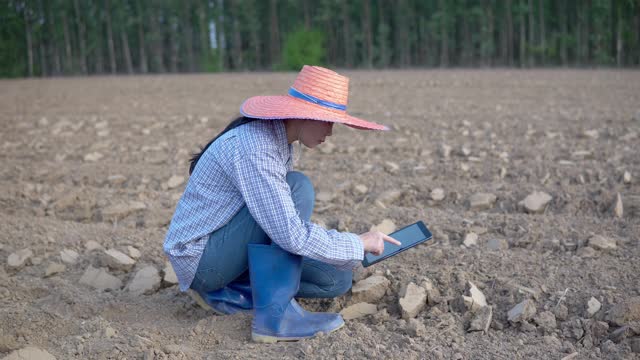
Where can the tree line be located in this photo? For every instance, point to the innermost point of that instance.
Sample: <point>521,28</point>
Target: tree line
<point>82,37</point>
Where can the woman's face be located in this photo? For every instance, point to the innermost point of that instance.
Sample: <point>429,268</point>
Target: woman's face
<point>314,132</point>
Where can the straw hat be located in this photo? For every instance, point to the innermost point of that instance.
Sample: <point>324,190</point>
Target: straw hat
<point>317,94</point>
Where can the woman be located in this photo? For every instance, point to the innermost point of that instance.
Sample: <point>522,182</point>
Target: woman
<point>244,207</point>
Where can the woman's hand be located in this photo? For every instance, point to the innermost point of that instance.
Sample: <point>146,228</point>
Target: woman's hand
<point>373,242</point>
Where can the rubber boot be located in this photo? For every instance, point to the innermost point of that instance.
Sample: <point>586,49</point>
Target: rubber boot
<point>275,279</point>
<point>233,298</point>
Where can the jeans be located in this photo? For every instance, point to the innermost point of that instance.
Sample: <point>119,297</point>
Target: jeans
<point>225,256</point>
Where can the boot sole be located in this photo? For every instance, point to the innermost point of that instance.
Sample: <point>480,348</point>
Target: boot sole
<point>274,339</point>
<point>200,301</point>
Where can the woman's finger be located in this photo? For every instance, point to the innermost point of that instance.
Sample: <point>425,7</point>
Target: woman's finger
<point>388,238</point>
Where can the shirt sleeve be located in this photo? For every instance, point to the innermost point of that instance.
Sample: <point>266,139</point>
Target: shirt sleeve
<point>261,179</point>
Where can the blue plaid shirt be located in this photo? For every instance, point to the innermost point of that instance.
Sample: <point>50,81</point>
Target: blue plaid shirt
<point>248,166</point>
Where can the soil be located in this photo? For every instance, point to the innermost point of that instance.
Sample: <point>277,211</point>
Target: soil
<point>570,133</point>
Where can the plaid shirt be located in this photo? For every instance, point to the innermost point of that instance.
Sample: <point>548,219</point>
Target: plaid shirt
<point>248,166</point>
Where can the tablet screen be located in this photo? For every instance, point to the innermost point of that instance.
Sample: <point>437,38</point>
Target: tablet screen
<point>408,236</point>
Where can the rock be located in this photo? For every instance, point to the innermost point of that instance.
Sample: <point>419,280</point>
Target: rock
<point>625,312</point>
<point>391,167</point>
<point>522,311</point>
<point>437,194</point>
<point>591,133</point>
<point>109,332</point>
<point>552,341</point>
<point>593,306</point>
<point>54,268</point>
<point>626,178</point>
<point>117,179</point>
<point>599,331</point>
<point>599,242</point>
<point>93,157</point>
<point>19,259</point>
<point>100,279</point>
<point>561,312</point>
<point>416,328</point>
<point>586,252</point>
<point>413,302</point>
<point>170,276</point>
<point>476,300</point>
<point>433,294</point>
<point>360,189</point>
<point>634,343</point>
<point>116,260</point>
<point>324,196</point>
<point>536,202</point>
<point>445,150</point>
<point>618,209</point>
<point>133,252</point>
<point>92,245</point>
<point>620,334</point>
<point>121,210</point>
<point>370,289</point>
<point>471,239</point>
<point>497,244</point>
<point>387,226</point>
<point>175,181</point>
<point>29,353</point>
<point>388,197</point>
<point>546,320</point>
<point>327,148</point>
<point>481,319</point>
<point>146,281</point>
<point>358,310</point>
<point>69,256</point>
<point>481,201</point>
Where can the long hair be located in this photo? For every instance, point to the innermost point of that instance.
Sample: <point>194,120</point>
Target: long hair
<point>232,125</point>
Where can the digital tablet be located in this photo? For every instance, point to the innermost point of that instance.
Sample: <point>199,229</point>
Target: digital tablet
<point>408,236</point>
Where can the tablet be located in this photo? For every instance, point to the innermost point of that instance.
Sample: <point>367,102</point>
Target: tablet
<point>408,236</point>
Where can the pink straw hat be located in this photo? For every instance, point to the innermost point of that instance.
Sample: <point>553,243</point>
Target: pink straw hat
<point>317,94</point>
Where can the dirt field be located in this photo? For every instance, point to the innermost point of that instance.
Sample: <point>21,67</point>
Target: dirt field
<point>101,159</point>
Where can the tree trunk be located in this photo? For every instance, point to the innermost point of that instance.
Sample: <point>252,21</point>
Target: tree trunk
<point>173,44</point>
<point>53,43</point>
<point>523,40</point>
<point>203,22</point>
<point>562,8</point>
<point>368,38</point>
<point>143,68</point>
<point>126,51</point>
<point>188,34</point>
<point>444,35</point>
<point>81,37</point>
<point>531,32</point>
<point>348,58</point>
<point>274,34</point>
<point>510,37</point>
<point>543,45</point>
<point>157,43</point>
<point>382,36</point>
<point>307,14</point>
<point>238,58</point>
<point>619,45</point>
<point>220,35</point>
<point>68,61</point>
<point>110,43</point>
<point>27,30</point>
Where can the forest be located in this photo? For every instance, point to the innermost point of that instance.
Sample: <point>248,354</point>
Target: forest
<point>40,38</point>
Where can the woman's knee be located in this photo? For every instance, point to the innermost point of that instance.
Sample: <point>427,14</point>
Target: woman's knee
<point>302,193</point>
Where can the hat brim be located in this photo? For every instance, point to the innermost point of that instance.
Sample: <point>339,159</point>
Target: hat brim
<point>288,107</point>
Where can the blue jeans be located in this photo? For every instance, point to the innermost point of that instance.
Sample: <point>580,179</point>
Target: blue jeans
<point>225,256</point>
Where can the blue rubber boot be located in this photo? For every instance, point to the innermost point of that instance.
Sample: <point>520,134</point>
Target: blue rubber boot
<point>233,298</point>
<point>275,279</point>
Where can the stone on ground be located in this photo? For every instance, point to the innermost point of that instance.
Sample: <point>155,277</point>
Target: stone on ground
<point>476,300</point>
<point>413,302</point>
<point>625,312</point>
<point>593,306</point>
<point>471,239</point>
<point>546,320</point>
<point>433,294</point>
<point>358,310</point>
<point>360,189</point>
<point>618,208</point>
<point>437,194</point>
<point>600,242</point>
<point>626,178</point>
<point>522,311</point>
<point>69,256</point>
<point>170,276</point>
<point>387,226</point>
<point>481,319</point>
<point>117,260</point>
<point>100,279</point>
<point>175,181</point>
<point>19,258</point>
<point>388,197</point>
<point>497,244</point>
<point>391,167</point>
<point>481,201</point>
<point>54,268</point>
<point>146,281</point>
<point>370,289</point>
<point>29,353</point>
<point>133,252</point>
<point>325,196</point>
<point>121,210</point>
<point>92,157</point>
<point>416,328</point>
<point>92,245</point>
<point>536,202</point>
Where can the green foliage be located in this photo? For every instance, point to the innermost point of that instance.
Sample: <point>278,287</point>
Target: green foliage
<point>13,58</point>
<point>303,47</point>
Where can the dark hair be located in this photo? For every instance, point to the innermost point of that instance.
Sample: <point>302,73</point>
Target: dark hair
<point>232,125</point>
